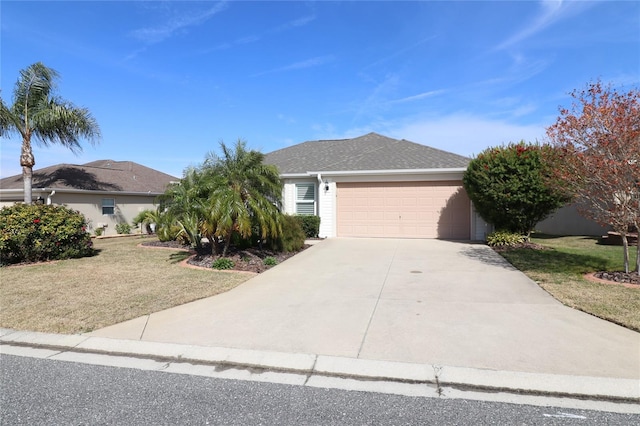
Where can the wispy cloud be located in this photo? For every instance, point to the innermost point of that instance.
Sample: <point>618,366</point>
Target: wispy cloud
<point>418,97</point>
<point>307,63</point>
<point>550,12</point>
<point>177,24</point>
<point>257,37</point>
<point>398,53</point>
<point>299,22</point>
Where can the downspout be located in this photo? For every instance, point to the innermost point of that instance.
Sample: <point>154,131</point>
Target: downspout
<point>319,193</point>
<point>49,197</point>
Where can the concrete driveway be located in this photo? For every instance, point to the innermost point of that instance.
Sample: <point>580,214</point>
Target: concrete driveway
<point>418,301</point>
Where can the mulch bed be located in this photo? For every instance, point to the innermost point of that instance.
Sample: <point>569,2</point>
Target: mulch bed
<point>619,277</point>
<point>615,277</point>
<point>248,260</point>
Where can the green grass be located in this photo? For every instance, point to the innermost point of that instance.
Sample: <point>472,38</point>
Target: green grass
<point>560,270</point>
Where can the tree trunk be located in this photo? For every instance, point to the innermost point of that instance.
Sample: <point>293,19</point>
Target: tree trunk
<point>227,243</point>
<point>27,162</point>
<point>625,249</point>
<point>638,251</point>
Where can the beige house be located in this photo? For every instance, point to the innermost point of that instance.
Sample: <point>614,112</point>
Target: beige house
<point>375,186</point>
<point>106,192</point>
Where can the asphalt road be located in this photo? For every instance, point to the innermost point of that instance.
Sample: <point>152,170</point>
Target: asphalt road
<point>37,392</point>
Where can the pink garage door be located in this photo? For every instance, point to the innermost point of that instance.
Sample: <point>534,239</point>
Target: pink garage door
<point>403,210</point>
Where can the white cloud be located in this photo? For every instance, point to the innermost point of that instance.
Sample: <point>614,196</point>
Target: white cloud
<point>464,134</point>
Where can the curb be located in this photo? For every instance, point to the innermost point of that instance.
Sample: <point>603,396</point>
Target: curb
<point>310,365</point>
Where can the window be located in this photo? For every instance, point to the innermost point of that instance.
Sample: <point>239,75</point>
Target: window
<point>108,206</point>
<point>306,198</point>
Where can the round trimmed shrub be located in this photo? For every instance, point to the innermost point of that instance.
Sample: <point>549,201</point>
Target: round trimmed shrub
<point>292,237</point>
<point>36,233</point>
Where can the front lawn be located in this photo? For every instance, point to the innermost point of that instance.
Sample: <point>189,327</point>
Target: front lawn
<point>122,282</point>
<point>560,269</point>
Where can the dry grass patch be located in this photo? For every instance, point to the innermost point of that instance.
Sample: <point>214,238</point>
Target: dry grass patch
<point>560,269</point>
<point>122,282</point>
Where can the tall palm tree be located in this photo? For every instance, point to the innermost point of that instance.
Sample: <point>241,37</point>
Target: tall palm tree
<point>245,193</point>
<point>36,112</point>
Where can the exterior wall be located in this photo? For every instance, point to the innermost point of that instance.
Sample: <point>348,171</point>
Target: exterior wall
<point>289,196</point>
<point>327,209</point>
<point>126,208</point>
<point>326,200</point>
<point>90,205</point>
<point>567,221</point>
<point>479,228</point>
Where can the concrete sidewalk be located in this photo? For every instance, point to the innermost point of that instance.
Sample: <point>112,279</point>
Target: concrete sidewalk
<point>412,301</point>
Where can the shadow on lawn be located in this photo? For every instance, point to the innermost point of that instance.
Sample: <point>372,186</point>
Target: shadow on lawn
<point>554,261</point>
<point>179,256</point>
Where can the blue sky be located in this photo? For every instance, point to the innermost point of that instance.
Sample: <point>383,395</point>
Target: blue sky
<point>168,80</point>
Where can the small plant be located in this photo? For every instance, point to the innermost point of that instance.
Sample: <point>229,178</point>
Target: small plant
<point>504,238</point>
<point>223,263</point>
<point>270,261</point>
<point>123,228</point>
<point>98,231</point>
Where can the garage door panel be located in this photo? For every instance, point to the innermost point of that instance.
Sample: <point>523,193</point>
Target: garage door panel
<point>403,209</point>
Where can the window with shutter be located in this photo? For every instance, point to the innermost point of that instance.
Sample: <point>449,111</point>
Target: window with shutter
<point>306,198</point>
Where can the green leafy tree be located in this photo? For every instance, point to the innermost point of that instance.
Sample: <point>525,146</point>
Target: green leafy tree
<point>38,114</point>
<point>510,186</point>
<point>244,196</point>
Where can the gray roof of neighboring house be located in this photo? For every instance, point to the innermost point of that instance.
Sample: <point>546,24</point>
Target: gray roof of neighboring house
<point>369,152</point>
<point>102,175</point>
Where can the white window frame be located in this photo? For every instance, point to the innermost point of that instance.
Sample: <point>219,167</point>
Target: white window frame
<point>107,206</point>
<point>307,201</point>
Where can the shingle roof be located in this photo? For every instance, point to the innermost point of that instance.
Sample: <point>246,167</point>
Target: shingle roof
<point>369,152</point>
<point>102,175</point>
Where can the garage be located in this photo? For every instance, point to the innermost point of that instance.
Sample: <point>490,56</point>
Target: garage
<point>424,209</point>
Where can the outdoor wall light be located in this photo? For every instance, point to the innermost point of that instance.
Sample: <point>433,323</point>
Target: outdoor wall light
<point>326,185</point>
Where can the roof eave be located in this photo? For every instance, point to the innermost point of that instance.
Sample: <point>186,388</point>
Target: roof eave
<point>451,170</point>
<point>78,191</point>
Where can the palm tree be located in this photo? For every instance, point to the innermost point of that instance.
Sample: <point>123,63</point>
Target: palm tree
<point>184,202</point>
<point>36,112</point>
<point>245,193</point>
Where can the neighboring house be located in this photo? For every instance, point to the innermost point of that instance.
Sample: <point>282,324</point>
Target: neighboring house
<point>375,186</point>
<point>107,192</point>
<point>568,221</point>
